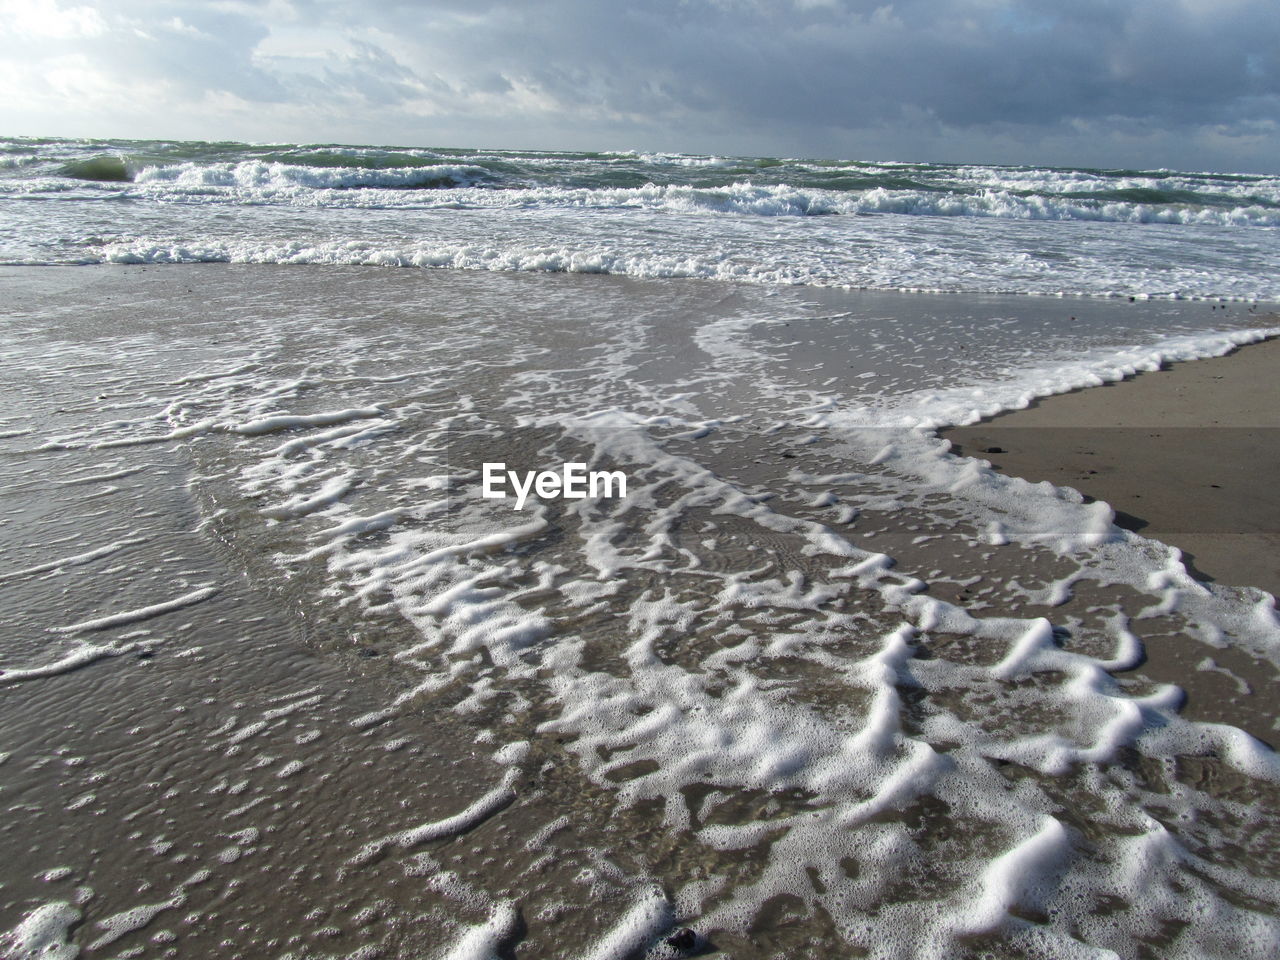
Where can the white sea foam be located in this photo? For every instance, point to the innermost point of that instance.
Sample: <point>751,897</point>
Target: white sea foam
<point>812,265</point>
<point>484,941</point>
<point>141,613</point>
<point>477,812</point>
<point>43,934</point>
<point>328,188</point>
<point>291,421</point>
<point>253,180</point>
<point>637,930</point>
<point>77,657</point>
<point>135,918</point>
<point>75,560</point>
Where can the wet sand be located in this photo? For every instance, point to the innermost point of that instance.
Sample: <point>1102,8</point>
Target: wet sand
<point>231,781</point>
<point>1188,455</point>
<point>225,779</point>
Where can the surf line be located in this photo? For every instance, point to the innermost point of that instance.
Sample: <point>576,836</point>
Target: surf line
<point>572,482</point>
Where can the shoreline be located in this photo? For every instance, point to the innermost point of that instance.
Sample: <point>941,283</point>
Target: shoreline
<point>1185,455</point>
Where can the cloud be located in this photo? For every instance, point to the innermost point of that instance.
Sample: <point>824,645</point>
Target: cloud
<point>1152,82</point>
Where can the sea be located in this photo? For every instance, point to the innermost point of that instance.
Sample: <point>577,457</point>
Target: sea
<point>277,679</point>
<point>865,225</point>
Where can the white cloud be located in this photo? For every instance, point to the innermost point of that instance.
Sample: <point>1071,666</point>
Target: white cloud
<point>45,18</point>
<point>1153,82</point>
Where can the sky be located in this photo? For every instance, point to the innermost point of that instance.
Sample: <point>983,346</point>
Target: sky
<point>1185,84</point>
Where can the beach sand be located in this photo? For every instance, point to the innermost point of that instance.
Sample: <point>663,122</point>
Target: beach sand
<point>1189,455</point>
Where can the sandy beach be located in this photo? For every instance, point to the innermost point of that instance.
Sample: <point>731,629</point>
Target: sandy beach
<point>1188,455</point>
<point>277,681</point>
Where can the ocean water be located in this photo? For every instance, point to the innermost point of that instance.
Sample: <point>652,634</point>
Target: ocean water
<point>912,226</point>
<point>815,687</point>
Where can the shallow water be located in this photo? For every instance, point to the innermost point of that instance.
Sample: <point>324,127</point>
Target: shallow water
<point>814,687</point>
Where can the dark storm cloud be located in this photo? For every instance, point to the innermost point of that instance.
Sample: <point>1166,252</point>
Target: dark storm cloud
<point>966,63</point>
<point>1029,76</point>
<point>963,68</point>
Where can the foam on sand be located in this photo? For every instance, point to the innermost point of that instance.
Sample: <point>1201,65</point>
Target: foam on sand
<point>74,560</point>
<point>818,665</point>
<point>43,934</point>
<point>477,812</point>
<point>78,657</point>
<point>141,613</point>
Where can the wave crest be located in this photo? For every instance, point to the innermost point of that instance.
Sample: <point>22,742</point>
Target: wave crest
<point>266,178</point>
<point>107,168</point>
<point>469,186</point>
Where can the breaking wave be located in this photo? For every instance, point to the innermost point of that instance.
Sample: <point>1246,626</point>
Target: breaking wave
<point>257,177</point>
<point>884,225</point>
<point>327,175</point>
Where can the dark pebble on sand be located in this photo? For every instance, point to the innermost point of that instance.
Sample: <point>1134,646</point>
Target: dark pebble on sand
<point>684,939</point>
<point>995,450</point>
<point>367,652</point>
